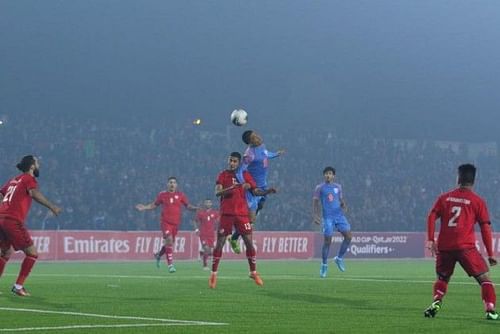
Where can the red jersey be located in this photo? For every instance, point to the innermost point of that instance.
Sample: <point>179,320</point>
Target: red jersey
<point>172,203</point>
<point>234,202</point>
<point>206,219</point>
<point>459,210</point>
<point>16,198</point>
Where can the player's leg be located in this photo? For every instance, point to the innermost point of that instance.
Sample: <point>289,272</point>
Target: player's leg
<point>170,233</point>
<point>20,239</point>
<point>5,249</point>
<point>233,241</point>
<point>475,266</point>
<point>345,229</point>
<point>225,229</point>
<point>260,204</point>
<point>325,249</point>
<point>445,265</point>
<point>163,249</point>
<point>5,253</point>
<point>29,261</point>
<point>245,228</point>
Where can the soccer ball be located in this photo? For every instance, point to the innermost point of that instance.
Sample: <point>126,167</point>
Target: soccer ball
<point>239,117</point>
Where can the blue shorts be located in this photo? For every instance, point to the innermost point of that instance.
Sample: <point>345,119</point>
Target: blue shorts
<point>339,222</point>
<point>253,201</point>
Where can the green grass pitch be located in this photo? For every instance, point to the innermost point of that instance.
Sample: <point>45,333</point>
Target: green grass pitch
<point>136,297</point>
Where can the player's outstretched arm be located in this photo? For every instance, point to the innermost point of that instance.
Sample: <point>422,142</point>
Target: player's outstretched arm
<point>144,207</point>
<point>219,191</point>
<point>192,207</point>
<point>40,198</point>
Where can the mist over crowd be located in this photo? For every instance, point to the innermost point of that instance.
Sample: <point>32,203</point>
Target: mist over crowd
<point>98,169</point>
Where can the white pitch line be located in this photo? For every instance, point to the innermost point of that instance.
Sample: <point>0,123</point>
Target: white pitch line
<point>90,327</point>
<point>269,277</point>
<point>93,315</point>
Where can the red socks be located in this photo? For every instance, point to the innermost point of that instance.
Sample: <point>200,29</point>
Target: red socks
<point>170,254</point>
<point>252,260</point>
<point>217,254</point>
<point>439,289</point>
<point>28,263</point>
<point>488,295</point>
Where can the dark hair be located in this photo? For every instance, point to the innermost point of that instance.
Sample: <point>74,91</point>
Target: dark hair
<point>26,163</point>
<point>329,169</point>
<point>236,155</point>
<point>172,178</point>
<point>466,174</point>
<point>246,136</point>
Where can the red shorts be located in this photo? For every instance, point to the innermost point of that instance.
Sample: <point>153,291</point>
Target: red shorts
<point>169,230</point>
<point>15,234</point>
<point>208,241</point>
<point>470,259</point>
<point>241,223</point>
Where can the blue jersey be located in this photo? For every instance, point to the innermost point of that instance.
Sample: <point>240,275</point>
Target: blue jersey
<point>330,195</point>
<point>256,161</point>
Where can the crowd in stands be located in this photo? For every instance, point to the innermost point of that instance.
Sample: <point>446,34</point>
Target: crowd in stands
<point>98,169</point>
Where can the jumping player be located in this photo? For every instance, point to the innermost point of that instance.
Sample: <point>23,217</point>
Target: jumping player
<point>205,223</point>
<point>256,161</point>
<point>329,195</point>
<point>459,210</point>
<point>234,213</point>
<point>172,202</point>
<point>16,197</point>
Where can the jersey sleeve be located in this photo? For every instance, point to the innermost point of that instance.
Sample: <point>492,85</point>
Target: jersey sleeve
<point>248,157</point>
<point>437,209</point>
<point>249,179</point>
<point>158,200</point>
<point>184,200</point>
<point>271,155</point>
<point>483,215</point>
<point>219,179</point>
<point>317,191</point>
<point>341,192</point>
<point>30,183</point>
<point>3,190</point>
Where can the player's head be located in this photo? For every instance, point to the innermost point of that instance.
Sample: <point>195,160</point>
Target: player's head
<point>466,174</point>
<point>329,173</point>
<point>207,203</point>
<point>251,137</point>
<point>29,164</point>
<point>172,184</point>
<point>233,162</point>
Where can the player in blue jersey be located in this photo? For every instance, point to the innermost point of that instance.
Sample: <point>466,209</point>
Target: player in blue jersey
<point>256,161</point>
<point>329,196</point>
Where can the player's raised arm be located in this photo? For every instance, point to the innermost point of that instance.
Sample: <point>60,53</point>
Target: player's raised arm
<point>40,198</point>
<point>144,207</point>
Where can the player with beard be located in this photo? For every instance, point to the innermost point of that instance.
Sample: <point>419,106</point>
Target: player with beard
<point>16,197</point>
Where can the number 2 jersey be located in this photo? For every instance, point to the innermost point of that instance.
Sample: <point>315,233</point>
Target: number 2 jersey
<point>459,210</point>
<point>16,198</point>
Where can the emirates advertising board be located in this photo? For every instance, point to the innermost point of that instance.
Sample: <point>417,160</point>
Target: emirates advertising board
<point>130,246</point>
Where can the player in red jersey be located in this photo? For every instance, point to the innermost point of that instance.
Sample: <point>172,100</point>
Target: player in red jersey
<point>459,210</point>
<point>205,223</point>
<point>172,202</point>
<point>16,197</point>
<point>230,187</point>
